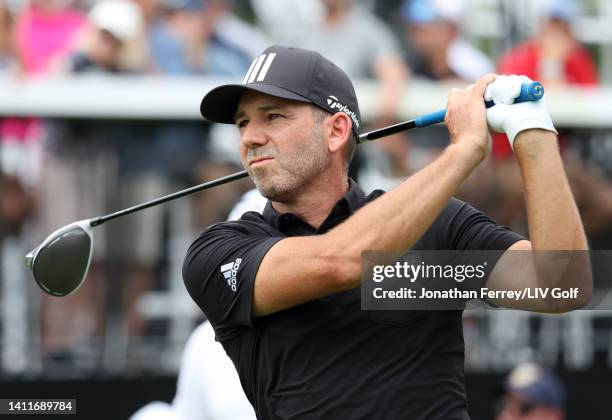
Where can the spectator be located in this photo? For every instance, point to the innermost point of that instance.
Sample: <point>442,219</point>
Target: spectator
<point>442,55</point>
<point>45,33</point>
<point>433,31</point>
<point>553,56</point>
<point>556,58</point>
<point>202,37</point>
<point>288,20</point>
<point>229,40</point>
<point>373,53</point>
<point>174,37</point>
<point>115,24</point>
<point>532,393</point>
<point>439,53</point>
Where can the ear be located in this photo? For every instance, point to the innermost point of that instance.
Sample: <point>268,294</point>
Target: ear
<point>339,129</point>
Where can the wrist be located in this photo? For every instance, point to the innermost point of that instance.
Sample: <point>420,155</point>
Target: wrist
<point>465,155</point>
<point>534,142</point>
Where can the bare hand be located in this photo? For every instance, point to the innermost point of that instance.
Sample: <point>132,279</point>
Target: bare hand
<point>466,118</point>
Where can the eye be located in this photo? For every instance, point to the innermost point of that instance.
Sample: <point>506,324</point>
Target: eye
<point>273,116</point>
<point>242,123</point>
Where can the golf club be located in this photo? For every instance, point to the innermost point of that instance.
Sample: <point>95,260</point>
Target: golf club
<point>61,262</point>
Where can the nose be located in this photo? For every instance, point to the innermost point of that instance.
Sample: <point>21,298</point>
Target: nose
<point>253,135</point>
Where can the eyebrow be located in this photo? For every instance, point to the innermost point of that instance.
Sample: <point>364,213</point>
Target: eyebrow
<point>263,108</point>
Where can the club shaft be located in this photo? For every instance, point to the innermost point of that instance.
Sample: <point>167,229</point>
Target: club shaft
<point>210,184</point>
<point>386,131</point>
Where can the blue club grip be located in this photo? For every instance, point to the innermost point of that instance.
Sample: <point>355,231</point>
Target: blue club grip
<point>529,92</point>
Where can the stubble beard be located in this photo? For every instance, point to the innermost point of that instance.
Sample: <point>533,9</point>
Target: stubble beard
<point>286,176</point>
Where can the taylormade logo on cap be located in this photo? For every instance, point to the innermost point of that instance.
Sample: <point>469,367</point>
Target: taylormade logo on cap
<point>334,104</point>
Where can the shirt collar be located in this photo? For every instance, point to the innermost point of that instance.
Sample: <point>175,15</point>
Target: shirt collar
<point>290,224</point>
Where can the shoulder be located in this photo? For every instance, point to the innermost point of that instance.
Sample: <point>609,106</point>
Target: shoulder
<point>220,267</point>
<point>460,226</point>
<point>250,225</point>
<point>453,212</point>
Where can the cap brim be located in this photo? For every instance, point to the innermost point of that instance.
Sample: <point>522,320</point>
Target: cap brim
<point>221,103</point>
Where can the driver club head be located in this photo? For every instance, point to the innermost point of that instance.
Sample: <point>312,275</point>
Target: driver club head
<point>61,262</point>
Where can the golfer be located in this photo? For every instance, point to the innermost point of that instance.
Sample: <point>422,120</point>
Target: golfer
<point>281,288</point>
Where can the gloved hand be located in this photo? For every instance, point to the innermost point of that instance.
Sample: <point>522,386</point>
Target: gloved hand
<point>509,118</point>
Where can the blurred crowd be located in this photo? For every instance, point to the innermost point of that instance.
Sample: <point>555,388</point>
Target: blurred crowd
<point>56,171</point>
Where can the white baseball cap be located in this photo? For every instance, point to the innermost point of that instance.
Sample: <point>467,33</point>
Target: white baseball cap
<point>122,18</point>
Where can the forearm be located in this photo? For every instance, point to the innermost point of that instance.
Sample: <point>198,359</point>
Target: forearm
<point>554,221</point>
<point>396,220</point>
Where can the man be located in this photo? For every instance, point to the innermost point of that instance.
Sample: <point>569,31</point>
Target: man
<point>280,288</point>
<point>374,53</point>
<point>553,55</point>
<point>532,393</point>
<point>433,30</point>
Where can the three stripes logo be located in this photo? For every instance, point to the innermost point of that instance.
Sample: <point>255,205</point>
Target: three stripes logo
<point>259,68</point>
<point>230,271</point>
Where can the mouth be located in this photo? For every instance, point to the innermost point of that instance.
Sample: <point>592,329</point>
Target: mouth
<point>259,162</point>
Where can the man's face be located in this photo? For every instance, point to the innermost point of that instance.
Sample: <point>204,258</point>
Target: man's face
<point>282,146</point>
<point>429,38</point>
<point>106,49</point>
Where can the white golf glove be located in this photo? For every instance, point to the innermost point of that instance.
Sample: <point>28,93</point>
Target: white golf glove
<point>509,118</point>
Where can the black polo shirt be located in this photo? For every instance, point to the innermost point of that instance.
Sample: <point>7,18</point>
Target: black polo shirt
<point>328,359</point>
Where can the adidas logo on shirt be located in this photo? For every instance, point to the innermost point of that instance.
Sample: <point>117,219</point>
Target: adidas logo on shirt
<point>230,271</point>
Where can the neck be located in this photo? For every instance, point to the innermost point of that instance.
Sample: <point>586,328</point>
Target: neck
<point>316,200</point>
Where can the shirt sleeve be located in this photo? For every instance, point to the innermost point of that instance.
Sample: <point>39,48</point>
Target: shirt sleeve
<point>219,273</point>
<point>464,228</point>
<point>461,227</point>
